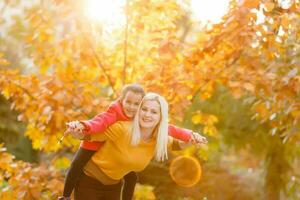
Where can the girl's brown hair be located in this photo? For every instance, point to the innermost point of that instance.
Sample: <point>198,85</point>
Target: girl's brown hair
<point>133,87</point>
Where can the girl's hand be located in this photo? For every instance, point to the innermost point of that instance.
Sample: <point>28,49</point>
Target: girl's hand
<point>75,128</point>
<point>198,139</point>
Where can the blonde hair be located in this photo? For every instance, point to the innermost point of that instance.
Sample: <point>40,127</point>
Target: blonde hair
<point>161,149</point>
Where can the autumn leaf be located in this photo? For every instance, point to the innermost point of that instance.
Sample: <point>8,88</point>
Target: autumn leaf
<point>251,3</point>
<point>210,130</point>
<point>3,61</point>
<point>269,6</point>
<point>197,118</point>
<point>250,87</point>
<point>144,192</point>
<point>62,163</point>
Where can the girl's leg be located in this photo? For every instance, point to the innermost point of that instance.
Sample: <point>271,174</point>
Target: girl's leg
<point>130,180</point>
<point>81,157</point>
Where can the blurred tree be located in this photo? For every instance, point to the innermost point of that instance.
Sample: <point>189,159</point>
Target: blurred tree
<point>253,52</point>
<point>11,134</point>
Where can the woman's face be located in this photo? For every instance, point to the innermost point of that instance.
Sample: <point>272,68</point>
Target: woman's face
<point>149,115</point>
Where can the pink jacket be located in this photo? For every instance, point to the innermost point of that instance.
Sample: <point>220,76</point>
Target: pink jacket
<point>113,114</point>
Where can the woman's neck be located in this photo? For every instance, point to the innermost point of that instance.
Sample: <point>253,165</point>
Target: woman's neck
<point>147,133</point>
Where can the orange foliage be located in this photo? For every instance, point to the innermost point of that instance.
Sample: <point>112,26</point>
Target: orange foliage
<point>77,69</point>
<point>21,180</point>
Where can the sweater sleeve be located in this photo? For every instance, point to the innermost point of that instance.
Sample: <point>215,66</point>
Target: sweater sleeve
<point>179,133</point>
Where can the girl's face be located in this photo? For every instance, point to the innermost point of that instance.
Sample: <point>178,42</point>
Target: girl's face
<point>131,103</point>
<point>149,115</point>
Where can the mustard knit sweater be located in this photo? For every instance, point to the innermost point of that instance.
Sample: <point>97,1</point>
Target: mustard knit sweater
<point>118,157</point>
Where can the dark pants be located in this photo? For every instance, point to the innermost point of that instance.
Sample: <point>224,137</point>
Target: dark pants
<point>88,188</point>
<point>130,180</point>
<point>75,171</point>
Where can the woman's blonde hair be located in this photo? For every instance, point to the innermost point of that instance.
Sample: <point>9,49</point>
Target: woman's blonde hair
<point>161,149</point>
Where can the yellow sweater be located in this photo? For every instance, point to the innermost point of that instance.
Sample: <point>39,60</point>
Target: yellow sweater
<point>117,157</point>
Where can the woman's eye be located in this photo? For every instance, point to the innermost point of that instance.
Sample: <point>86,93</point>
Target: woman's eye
<point>144,109</point>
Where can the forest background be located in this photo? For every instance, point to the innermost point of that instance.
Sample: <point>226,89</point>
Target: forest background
<point>235,80</point>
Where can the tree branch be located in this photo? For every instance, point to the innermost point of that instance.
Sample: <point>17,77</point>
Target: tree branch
<point>125,43</point>
<point>100,64</point>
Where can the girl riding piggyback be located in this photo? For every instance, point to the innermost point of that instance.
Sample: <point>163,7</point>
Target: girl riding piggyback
<point>123,109</point>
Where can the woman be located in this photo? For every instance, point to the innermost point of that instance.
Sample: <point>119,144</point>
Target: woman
<point>129,146</point>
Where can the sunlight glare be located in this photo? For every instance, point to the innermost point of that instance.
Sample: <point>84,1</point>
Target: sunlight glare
<point>109,12</point>
<point>209,10</point>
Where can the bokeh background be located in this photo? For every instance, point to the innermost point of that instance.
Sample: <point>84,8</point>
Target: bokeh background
<point>229,70</point>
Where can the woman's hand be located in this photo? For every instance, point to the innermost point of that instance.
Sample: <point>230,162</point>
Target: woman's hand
<point>196,138</point>
<point>76,129</point>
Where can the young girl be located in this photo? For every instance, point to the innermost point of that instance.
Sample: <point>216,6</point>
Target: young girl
<point>123,109</point>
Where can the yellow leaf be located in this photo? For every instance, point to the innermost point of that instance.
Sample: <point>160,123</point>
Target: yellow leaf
<point>54,185</point>
<point>233,84</point>
<point>251,3</point>
<point>285,21</point>
<point>36,144</point>
<point>5,161</point>
<point>210,130</point>
<point>197,118</point>
<point>35,135</point>
<point>8,194</point>
<point>62,163</point>
<point>269,6</point>
<point>142,192</point>
<point>211,120</point>
<point>249,86</point>
<point>4,62</point>
<point>203,152</point>
<point>237,93</point>
<point>295,113</point>
<point>189,97</point>
<point>5,92</point>
<point>205,95</point>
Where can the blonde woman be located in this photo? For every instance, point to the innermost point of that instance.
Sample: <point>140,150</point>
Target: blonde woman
<point>129,146</point>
